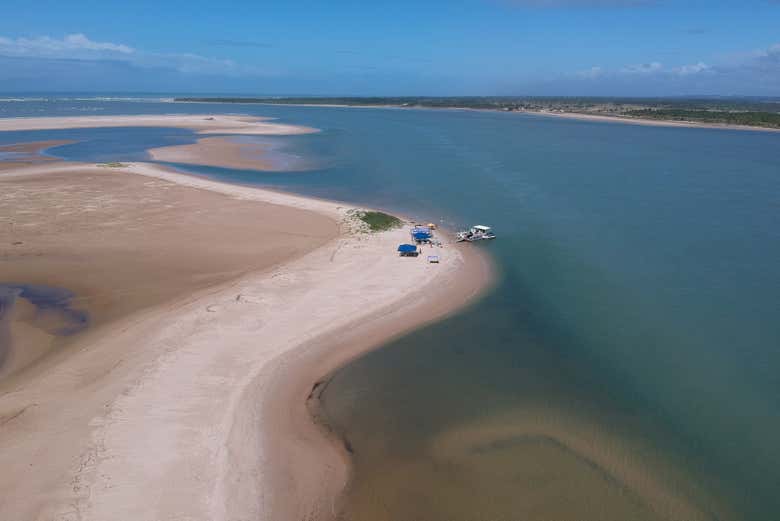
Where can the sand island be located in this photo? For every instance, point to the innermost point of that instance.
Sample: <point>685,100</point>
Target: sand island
<point>163,334</point>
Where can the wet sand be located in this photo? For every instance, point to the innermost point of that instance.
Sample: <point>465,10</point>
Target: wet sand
<point>219,152</point>
<point>214,309</point>
<point>307,372</point>
<point>123,242</point>
<point>23,154</point>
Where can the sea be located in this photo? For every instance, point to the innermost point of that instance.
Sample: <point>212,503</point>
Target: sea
<point>626,363</point>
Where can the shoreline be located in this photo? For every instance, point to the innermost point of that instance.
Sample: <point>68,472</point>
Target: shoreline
<point>649,122</point>
<point>567,115</point>
<point>310,369</point>
<point>238,124</point>
<point>277,380</point>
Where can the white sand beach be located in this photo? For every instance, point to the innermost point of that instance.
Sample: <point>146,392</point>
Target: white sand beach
<point>195,408</point>
<point>203,124</point>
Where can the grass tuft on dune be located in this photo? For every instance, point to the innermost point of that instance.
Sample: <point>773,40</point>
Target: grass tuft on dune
<point>379,221</point>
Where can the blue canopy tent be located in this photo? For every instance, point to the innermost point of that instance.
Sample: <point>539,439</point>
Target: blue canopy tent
<point>421,236</point>
<point>407,250</point>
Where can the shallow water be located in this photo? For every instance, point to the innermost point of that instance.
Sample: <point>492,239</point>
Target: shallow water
<point>52,308</point>
<point>626,365</point>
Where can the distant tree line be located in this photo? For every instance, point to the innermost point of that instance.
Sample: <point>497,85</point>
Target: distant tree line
<point>753,119</point>
<point>762,112</point>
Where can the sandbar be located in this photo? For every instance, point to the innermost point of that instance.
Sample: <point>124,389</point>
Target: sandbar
<point>201,123</point>
<point>217,309</point>
<point>219,152</point>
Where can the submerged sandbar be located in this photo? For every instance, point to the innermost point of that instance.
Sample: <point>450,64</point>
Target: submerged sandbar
<point>241,152</point>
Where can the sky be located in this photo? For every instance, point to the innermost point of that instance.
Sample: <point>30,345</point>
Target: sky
<point>414,48</point>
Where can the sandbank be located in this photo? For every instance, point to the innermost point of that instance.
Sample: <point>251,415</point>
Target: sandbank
<point>223,152</point>
<point>193,404</point>
<point>22,154</point>
<point>121,243</point>
<point>201,123</point>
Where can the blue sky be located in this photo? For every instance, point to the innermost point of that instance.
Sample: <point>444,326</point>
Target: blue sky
<point>470,47</point>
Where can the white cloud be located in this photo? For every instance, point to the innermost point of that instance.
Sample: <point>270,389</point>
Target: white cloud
<point>695,68</point>
<point>79,47</point>
<point>755,72</point>
<point>79,41</point>
<point>769,58</point>
<point>643,68</point>
<point>592,73</point>
<point>193,64</point>
<point>581,3</point>
<point>657,69</point>
<point>71,46</point>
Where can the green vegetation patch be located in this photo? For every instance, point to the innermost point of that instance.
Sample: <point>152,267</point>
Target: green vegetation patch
<point>379,221</point>
<point>753,119</point>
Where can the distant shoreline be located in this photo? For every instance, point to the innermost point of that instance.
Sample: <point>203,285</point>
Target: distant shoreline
<point>651,122</point>
<point>564,114</point>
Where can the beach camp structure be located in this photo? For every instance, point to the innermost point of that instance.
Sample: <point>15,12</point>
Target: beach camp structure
<point>421,234</point>
<point>407,250</point>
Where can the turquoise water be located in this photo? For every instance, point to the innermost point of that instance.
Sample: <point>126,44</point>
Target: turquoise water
<point>625,367</point>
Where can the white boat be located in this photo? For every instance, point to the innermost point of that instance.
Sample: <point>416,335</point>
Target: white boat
<point>479,232</point>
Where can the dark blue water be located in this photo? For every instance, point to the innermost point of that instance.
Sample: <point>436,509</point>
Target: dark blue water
<point>626,367</point>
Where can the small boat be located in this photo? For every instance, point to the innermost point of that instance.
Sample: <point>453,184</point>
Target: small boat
<point>479,232</point>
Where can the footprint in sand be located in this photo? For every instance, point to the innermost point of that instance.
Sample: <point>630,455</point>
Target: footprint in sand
<point>284,279</point>
<point>248,299</point>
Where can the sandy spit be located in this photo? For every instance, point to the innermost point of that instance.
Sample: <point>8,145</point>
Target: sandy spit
<point>203,124</point>
<point>647,122</point>
<point>197,408</point>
